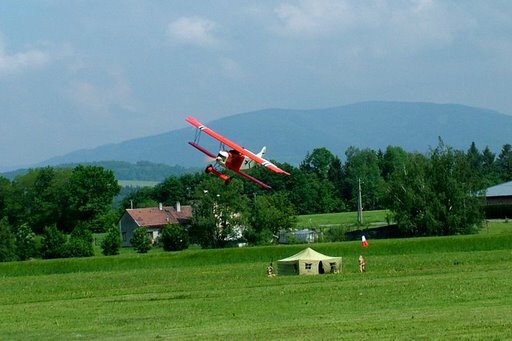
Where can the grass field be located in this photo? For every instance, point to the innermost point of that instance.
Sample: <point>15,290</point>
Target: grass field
<point>343,218</point>
<point>425,288</point>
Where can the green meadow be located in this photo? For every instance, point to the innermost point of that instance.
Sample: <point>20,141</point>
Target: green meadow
<point>454,288</point>
<point>343,218</point>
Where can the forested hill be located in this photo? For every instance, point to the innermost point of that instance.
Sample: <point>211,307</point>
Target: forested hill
<point>142,170</point>
<point>290,134</point>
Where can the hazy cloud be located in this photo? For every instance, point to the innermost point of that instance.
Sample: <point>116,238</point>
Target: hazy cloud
<point>231,69</point>
<point>21,61</point>
<point>314,17</point>
<point>98,99</point>
<point>193,31</point>
<point>406,23</point>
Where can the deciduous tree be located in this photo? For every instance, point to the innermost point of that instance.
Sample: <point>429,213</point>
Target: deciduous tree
<point>319,162</point>
<point>91,190</point>
<point>270,214</point>
<point>4,193</point>
<point>220,213</point>
<point>436,195</point>
<point>7,242</point>
<point>364,165</point>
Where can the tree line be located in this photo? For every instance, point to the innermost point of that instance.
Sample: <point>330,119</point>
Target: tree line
<point>433,193</point>
<point>52,212</point>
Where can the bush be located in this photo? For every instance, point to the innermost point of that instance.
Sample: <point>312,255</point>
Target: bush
<point>112,243</point>
<point>78,247</point>
<point>140,240</point>
<point>80,243</point>
<point>174,238</point>
<point>25,242</point>
<point>253,237</point>
<point>54,243</point>
<point>336,234</point>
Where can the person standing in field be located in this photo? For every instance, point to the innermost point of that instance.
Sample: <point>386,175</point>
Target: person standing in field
<point>270,270</point>
<point>362,264</point>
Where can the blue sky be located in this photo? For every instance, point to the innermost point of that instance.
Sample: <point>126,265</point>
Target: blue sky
<point>79,74</point>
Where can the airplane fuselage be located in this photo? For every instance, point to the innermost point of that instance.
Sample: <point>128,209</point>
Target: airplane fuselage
<point>230,159</point>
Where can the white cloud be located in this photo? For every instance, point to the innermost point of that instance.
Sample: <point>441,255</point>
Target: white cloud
<point>314,17</point>
<point>193,31</point>
<point>21,61</point>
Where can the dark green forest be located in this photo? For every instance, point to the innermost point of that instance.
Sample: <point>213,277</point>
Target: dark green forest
<point>435,193</point>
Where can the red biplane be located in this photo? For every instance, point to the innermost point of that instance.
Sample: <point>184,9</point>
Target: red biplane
<point>236,159</point>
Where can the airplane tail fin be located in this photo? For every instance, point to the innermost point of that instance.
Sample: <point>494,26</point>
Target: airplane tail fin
<point>248,163</point>
<point>262,152</point>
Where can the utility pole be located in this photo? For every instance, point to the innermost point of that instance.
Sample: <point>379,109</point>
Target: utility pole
<point>359,203</point>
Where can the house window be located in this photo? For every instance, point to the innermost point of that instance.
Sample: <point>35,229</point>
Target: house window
<point>308,266</point>
<point>333,266</point>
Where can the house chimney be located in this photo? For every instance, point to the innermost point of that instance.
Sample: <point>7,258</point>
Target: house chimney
<point>160,206</point>
<point>178,206</point>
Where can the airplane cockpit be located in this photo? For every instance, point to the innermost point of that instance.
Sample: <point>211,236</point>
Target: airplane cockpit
<point>222,157</point>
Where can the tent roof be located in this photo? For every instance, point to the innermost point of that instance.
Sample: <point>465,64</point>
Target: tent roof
<point>307,254</point>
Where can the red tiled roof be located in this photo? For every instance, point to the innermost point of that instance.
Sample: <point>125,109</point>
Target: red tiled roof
<point>153,216</point>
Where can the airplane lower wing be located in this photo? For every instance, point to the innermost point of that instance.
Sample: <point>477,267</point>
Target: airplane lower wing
<point>256,181</point>
<point>201,149</point>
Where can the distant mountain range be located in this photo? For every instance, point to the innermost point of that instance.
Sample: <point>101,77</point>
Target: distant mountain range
<point>290,134</point>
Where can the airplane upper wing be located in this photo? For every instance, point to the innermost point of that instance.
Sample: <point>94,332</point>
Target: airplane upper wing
<point>235,146</point>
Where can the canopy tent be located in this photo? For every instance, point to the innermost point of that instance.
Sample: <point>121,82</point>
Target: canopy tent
<point>308,262</point>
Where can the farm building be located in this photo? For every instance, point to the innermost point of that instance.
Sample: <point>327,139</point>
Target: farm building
<point>154,219</point>
<point>499,194</point>
<point>499,201</point>
<point>308,262</point>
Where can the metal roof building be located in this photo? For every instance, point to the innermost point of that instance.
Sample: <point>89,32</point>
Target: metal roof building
<point>500,194</point>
